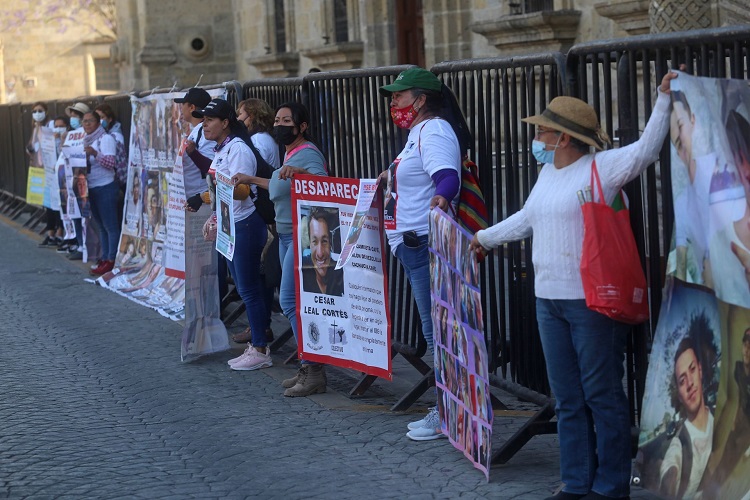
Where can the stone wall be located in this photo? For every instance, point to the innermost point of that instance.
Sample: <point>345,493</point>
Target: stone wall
<point>42,62</point>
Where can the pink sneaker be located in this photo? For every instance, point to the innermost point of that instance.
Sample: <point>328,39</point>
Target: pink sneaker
<point>253,360</point>
<point>234,360</point>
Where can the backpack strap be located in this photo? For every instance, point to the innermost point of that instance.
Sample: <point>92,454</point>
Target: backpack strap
<point>198,138</point>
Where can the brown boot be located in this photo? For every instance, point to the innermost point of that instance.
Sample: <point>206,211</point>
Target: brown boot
<point>291,382</point>
<point>311,380</point>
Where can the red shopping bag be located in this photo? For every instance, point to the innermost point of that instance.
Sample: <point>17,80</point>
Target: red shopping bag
<point>613,278</point>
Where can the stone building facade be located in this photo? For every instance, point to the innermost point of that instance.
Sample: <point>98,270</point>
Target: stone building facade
<point>54,60</point>
<point>165,43</point>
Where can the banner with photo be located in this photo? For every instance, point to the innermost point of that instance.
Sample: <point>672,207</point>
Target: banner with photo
<point>49,144</point>
<point>695,423</point>
<point>461,363</point>
<point>153,259</point>
<point>343,313</point>
<point>224,216</point>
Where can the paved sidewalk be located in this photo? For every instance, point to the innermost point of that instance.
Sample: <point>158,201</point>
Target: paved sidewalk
<point>96,404</point>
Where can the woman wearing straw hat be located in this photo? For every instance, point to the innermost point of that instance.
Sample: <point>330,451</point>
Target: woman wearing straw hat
<point>584,350</point>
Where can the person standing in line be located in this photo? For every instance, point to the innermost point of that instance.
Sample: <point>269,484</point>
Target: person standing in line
<point>74,248</point>
<point>54,227</point>
<point>104,192</point>
<point>426,174</point>
<point>199,149</point>
<point>584,350</point>
<point>291,130</point>
<point>258,116</point>
<point>233,156</point>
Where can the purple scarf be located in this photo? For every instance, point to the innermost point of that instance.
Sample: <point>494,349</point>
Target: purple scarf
<point>89,139</point>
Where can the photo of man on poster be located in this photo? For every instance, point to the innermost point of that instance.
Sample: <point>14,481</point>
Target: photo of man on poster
<point>318,267</point>
<point>687,456</point>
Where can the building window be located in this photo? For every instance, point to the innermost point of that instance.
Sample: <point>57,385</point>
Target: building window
<point>279,22</point>
<point>527,6</point>
<point>340,21</point>
<point>107,76</point>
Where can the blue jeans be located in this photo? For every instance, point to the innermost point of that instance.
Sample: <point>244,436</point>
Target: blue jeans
<point>416,262</point>
<point>250,238</point>
<point>104,201</point>
<point>287,294</point>
<point>585,351</point>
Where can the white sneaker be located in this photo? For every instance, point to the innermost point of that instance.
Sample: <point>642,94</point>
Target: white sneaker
<point>253,360</point>
<point>430,429</point>
<point>234,360</point>
<point>420,423</point>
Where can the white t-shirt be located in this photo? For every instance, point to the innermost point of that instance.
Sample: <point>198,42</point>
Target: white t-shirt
<point>234,158</point>
<point>100,176</point>
<point>432,146</point>
<point>692,224</point>
<point>267,148</point>
<point>195,183</point>
<point>728,273</point>
<point>702,442</point>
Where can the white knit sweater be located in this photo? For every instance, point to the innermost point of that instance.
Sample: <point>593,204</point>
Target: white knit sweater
<point>552,212</point>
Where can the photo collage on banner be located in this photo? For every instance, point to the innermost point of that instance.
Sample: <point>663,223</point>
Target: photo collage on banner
<point>343,313</point>
<point>70,175</point>
<point>163,262</point>
<point>461,363</point>
<point>695,424</point>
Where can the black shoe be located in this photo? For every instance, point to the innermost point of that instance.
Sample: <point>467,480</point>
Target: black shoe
<point>564,495</point>
<point>47,242</point>
<point>63,247</point>
<point>76,255</point>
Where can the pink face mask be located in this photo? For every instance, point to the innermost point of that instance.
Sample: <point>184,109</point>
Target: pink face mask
<point>404,117</point>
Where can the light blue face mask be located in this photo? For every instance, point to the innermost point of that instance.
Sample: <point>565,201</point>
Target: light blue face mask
<point>541,154</point>
<point>104,123</point>
<point>75,122</point>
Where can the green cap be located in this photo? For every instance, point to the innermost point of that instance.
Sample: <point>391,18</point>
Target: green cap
<point>411,78</point>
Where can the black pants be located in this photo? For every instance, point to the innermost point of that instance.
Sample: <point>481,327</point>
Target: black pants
<point>54,222</point>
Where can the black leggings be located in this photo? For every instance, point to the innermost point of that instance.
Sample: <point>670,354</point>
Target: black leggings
<point>54,222</point>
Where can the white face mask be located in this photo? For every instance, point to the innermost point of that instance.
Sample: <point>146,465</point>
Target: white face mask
<point>38,115</point>
<point>60,130</point>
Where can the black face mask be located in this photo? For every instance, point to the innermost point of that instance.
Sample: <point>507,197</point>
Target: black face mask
<point>284,134</point>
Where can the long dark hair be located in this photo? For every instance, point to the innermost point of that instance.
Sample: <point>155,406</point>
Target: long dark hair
<point>444,104</point>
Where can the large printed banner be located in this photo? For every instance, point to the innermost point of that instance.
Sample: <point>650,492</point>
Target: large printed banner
<point>695,424</point>
<point>162,260</point>
<point>48,145</point>
<point>461,363</point>
<point>343,313</point>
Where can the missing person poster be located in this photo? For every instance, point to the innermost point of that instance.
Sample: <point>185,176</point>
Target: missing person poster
<point>343,313</point>
<point>225,216</point>
<point>461,363</point>
<point>695,424</point>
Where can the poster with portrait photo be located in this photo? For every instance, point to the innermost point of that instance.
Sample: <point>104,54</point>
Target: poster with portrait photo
<point>343,313</point>
<point>225,216</point>
<point>461,362</point>
<point>133,202</point>
<point>679,404</point>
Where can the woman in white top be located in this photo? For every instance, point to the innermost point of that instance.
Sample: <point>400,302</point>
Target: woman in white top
<point>258,117</point>
<point>584,350</point>
<point>233,156</point>
<point>103,189</point>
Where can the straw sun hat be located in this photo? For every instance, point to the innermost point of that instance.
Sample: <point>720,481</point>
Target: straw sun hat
<point>574,117</point>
